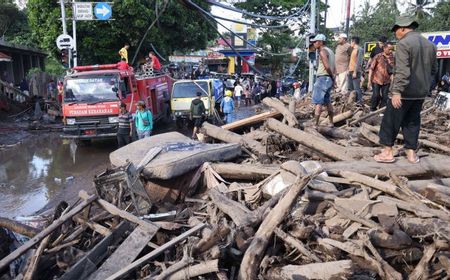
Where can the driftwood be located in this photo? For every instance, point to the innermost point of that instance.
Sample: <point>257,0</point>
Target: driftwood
<point>33,241</point>
<point>418,227</point>
<point>430,165</point>
<point>196,270</point>
<point>421,268</point>
<point>279,106</point>
<point>297,244</point>
<point>338,118</point>
<point>254,254</point>
<point>251,120</point>
<point>155,252</point>
<point>327,270</point>
<point>334,132</point>
<point>231,137</point>
<point>18,227</point>
<point>207,243</point>
<point>371,114</point>
<point>325,147</point>
<point>235,171</point>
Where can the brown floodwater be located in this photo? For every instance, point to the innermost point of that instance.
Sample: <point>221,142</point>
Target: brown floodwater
<point>34,172</point>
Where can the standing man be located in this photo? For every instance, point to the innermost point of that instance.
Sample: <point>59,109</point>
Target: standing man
<point>325,79</point>
<point>343,52</point>
<point>355,70</point>
<point>123,53</point>
<point>380,73</point>
<point>197,113</point>
<point>227,106</point>
<point>415,66</point>
<point>238,93</point>
<point>144,121</point>
<point>154,62</point>
<point>125,129</point>
<point>379,47</point>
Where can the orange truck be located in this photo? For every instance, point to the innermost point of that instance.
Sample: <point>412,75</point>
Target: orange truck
<point>93,94</point>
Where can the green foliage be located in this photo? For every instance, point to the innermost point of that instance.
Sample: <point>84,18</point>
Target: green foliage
<point>277,40</point>
<point>372,22</point>
<point>178,28</point>
<point>33,71</point>
<point>440,19</point>
<point>54,67</point>
<point>13,23</point>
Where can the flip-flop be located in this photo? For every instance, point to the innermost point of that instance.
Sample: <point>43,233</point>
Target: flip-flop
<point>379,159</point>
<point>416,160</point>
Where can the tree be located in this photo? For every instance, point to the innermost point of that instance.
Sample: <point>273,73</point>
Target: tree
<point>178,28</point>
<point>12,20</point>
<point>440,19</point>
<point>281,39</point>
<point>372,22</point>
<point>420,8</point>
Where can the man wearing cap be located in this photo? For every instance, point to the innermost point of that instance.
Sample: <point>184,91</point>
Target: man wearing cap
<point>416,64</point>
<point>343,52</point>
<point>325,78</point>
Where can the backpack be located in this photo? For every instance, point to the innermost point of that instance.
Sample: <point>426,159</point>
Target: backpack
<point>198,109</point>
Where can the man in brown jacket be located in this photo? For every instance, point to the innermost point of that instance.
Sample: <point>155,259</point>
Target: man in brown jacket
<point>415,67</point>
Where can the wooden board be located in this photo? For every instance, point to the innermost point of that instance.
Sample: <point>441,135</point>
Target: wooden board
<point>251,120</point>
<point>125,254</point>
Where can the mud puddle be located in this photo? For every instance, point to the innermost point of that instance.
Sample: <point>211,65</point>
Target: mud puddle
<point>36,171</point>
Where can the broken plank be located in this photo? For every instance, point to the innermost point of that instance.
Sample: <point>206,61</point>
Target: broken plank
<point>236,171</point>
<point>251,120</point>
<point>121,213</point>
<point>125,254</point>
<point>155,252</point>
<point>33,241</point>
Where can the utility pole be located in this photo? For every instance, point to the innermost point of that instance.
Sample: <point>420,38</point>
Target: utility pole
<point>74,35</point>
<point>347,19</point>
<point>63,19</point>
<point>312,31</point>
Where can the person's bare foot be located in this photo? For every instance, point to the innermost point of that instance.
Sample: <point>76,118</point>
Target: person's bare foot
<point>412,156</point>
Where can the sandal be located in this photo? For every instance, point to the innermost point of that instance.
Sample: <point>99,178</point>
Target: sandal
<point>382,159</point>
<point>415,160</point>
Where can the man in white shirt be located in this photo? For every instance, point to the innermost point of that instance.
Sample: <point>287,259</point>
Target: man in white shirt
<point>238,93</point>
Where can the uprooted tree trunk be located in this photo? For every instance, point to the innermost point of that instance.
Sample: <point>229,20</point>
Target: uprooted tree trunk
<point>254,254</point>
<point>279,106</point>
<point>18,227</point>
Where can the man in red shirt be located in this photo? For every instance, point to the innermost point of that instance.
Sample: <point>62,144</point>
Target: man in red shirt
<point>155,64</point>
<point>123,65</point>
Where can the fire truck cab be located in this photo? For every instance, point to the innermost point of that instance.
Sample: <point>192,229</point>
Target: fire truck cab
<point>93,94</point>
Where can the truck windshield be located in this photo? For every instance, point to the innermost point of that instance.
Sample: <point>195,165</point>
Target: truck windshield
<point>189,89</point>
<point>91,89</point>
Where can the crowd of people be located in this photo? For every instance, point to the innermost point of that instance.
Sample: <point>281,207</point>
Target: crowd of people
<point>400,85</point>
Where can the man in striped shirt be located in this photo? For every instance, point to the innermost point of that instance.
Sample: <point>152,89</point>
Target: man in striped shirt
<point>125,130</point>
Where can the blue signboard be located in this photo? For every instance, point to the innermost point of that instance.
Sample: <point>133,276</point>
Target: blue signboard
<point>102,11</point>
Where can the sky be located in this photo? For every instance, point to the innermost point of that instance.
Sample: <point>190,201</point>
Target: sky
<point>335,17</point>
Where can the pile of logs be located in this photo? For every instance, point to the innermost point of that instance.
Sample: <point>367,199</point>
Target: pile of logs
<point>304,203</point>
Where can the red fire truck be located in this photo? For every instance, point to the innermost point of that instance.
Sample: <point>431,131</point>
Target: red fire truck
<point>92,97</point>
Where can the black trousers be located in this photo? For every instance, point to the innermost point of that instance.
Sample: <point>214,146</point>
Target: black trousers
<point>379,96</point>
<point>406,117</point>
<point>123,140</point>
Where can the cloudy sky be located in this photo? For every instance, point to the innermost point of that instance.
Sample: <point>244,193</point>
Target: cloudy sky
<point>335,18</point>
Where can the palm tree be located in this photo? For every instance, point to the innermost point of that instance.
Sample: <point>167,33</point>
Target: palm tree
<point>420,8</point>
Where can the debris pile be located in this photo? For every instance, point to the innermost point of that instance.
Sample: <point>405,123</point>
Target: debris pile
<point>299,203</point>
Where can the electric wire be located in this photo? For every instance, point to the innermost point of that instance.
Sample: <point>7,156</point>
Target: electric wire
<point>242,38</point>
<point>166,2</point>
<point>251,24</point>
<point>244,12</point>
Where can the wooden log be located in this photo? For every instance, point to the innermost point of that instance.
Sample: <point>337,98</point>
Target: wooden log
<point>202,268</point>
<point>428,166</point>
<point>372,182</point>
<point>240,214</point>
<point>424,142</point>
<point>326,271</point>
<point>94,226</point>
<point>417,185</point>
<point>236,171</point>
<point>419,209</point>
<point>121,213</point>
<point>325,147</point>
<point>18,227</point>
<point>297,244</point>
<point>371,114</point>
<point>231,137</point>
<point>397,240</point>
<point>421,227</point>
<point>334,132</point>
<point>38,237</point>
<point>35,259</point>
<point>338,118</point>
<point>217,234</point>
<point>254,254</point>
<point>421,267</point>
<point>279,106</point>
<point>153,254</point>
<point>256,119</point>
<point>437,193</point>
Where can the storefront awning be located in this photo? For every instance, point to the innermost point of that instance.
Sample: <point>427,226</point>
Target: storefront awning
<point>5,57</point>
